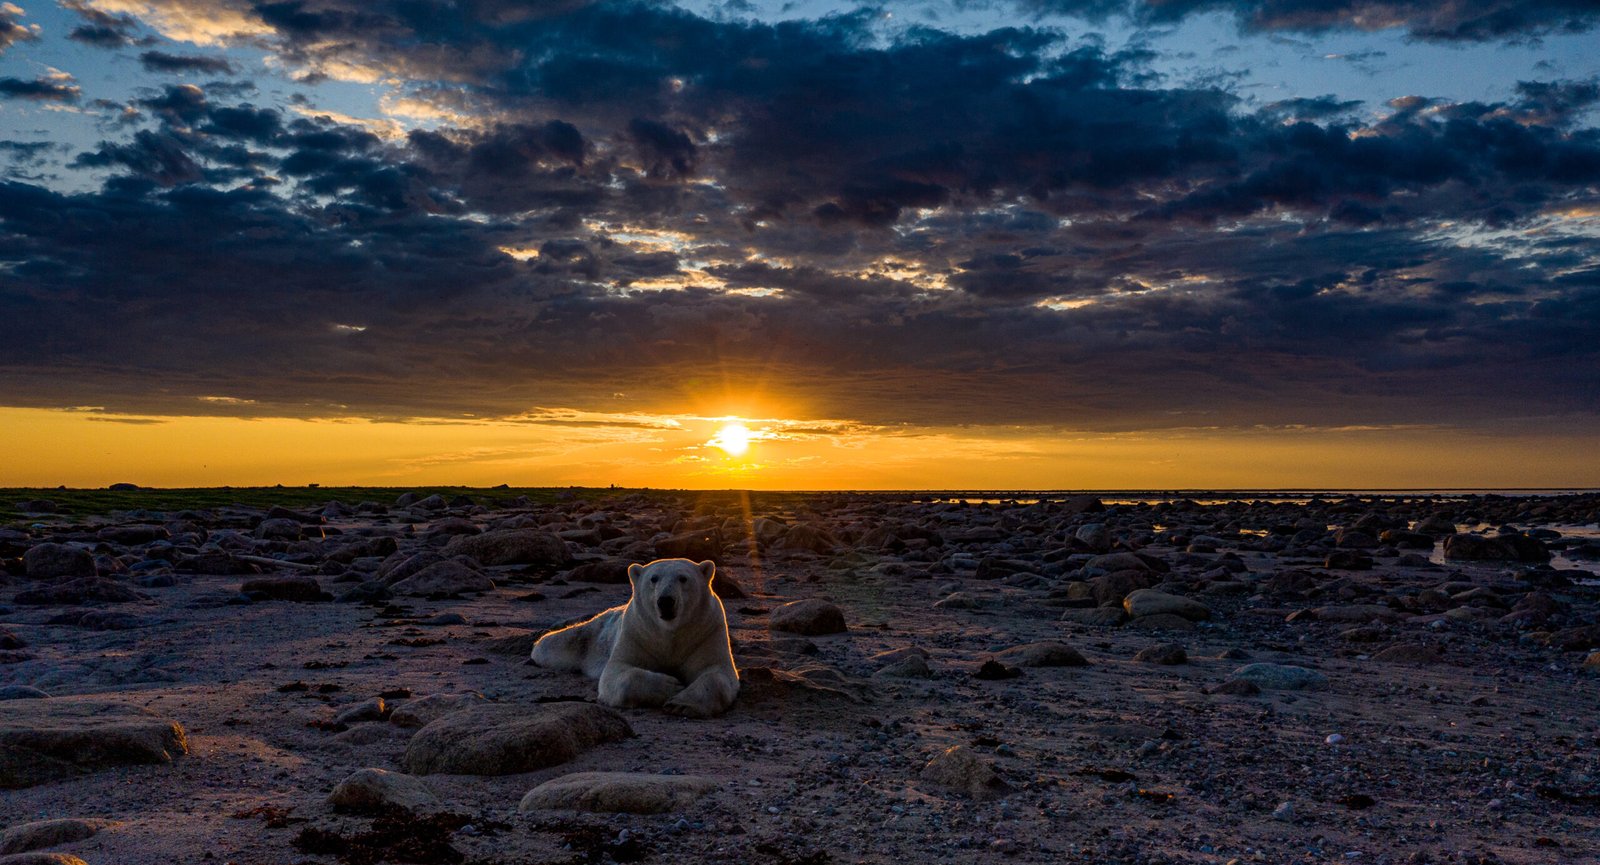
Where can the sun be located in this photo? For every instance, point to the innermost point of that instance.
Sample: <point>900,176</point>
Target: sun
<point>734,438</point>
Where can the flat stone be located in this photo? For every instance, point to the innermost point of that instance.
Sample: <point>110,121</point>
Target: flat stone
<point>80,591</point>
<point>1149,602</point>
<point>25,837</point>
<point>376,789</point>
<point>809,618</point>
<point>21,692</point>
<point>1280,677</point>
<point>44,740</point>
<point>1103,617</point>
<point>1410,653</point>
<point>1165,653</point>
<point>1042,654</point>
<point>1355,614</point>
<point>1162,622</point>
<point>302,589</point>
<point>618,793</point>
<point>505,739</point>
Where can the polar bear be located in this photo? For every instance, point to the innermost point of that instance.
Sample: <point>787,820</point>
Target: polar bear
<point>668,646</point>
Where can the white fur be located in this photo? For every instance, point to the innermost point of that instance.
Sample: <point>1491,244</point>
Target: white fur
<point>685,664</point>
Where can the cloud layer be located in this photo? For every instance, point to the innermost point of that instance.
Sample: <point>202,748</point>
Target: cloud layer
<point>923,226</point>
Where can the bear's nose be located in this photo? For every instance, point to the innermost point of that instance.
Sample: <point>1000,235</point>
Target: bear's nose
<point>668,608</point>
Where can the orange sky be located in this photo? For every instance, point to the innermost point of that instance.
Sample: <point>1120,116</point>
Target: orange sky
<point>558,447</point>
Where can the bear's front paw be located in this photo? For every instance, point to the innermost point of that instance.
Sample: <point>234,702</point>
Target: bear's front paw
<point>686,709</point>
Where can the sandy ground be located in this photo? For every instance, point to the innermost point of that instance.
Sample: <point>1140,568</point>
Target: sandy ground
<point>1486,751</point>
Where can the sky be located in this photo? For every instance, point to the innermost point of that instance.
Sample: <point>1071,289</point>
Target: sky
<point>957,244</point>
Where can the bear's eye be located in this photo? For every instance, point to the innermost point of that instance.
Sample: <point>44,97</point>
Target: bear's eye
<point>654,580</point>
<point>682,578</point>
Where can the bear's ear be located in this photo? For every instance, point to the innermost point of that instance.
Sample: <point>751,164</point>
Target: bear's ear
<point>708,569</point>
<point>634,570</point>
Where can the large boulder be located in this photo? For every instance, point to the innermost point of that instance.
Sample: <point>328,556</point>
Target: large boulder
<point>50,561</point>
<point>1478,548</point>
<point>809,618</point>
<point>1042,654</point>
<point>45,740</point>
<point>504,739</point>
<point>612,570</point>
<point>443,578</point>
<point>618,792</point>
<point>425,710</point>
<point>511,547</point>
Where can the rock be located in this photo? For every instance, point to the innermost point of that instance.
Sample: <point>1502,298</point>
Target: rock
<point>1477,548</point>
<point>24,837</point>
<point>1436,524</point>
<point>618,793</point>
<point>1042,654</point>
<point>44,740</point>
<point>1149,602</point>
<point>302,589</point>
<point>402,565</point>
<point>443,578</point>
<point>1592,663</point>
<point>1163,653</point>
<point>723,585</point>
<point>1094,536</point>
<point>696,546</point>
<point>50,561</point>
<point>1105,617</point>
<point>962,601</point>
<point>425,710</point>
<point>80,591</point>
<point>519,645</point>
<point>42,859</point>
<point>959,769</point>
<point>1236,688</point>
<point>9,640</point>
<point>434,502</point>
<point>1113,562</point>
<point>809,618</point>
<point>279,529</point>
<point>808,538</point>
<point>1407,540</point>
<point>133,534</point>
<point>1410,653</point>
<point>511,547</point>
<point>1161,622</point>
<point>1347,560</point>
<point>1110,589</point>
<point>909,667</point>
<point>994,671</point>
<point>498,739</point>
<point>1280,677</point>
<point>377,789</point>
<point>1355,614</point>
<point>786,688</point>
<point>1575,639</point>
<point>610,570</point>
<point>369,710</point>
<point>21,692</point>
<point>1354,539</point>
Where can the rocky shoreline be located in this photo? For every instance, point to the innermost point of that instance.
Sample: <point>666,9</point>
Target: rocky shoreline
<point>1378,679</point>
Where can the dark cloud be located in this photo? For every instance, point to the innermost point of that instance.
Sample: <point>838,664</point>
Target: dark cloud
<point>162,62</point>
<point>1424,19</point>
<point>100,28</point>
<point>40,89</point>
<point>1008,227</point>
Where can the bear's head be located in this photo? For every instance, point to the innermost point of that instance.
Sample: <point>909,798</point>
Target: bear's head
<point>672,591</point>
